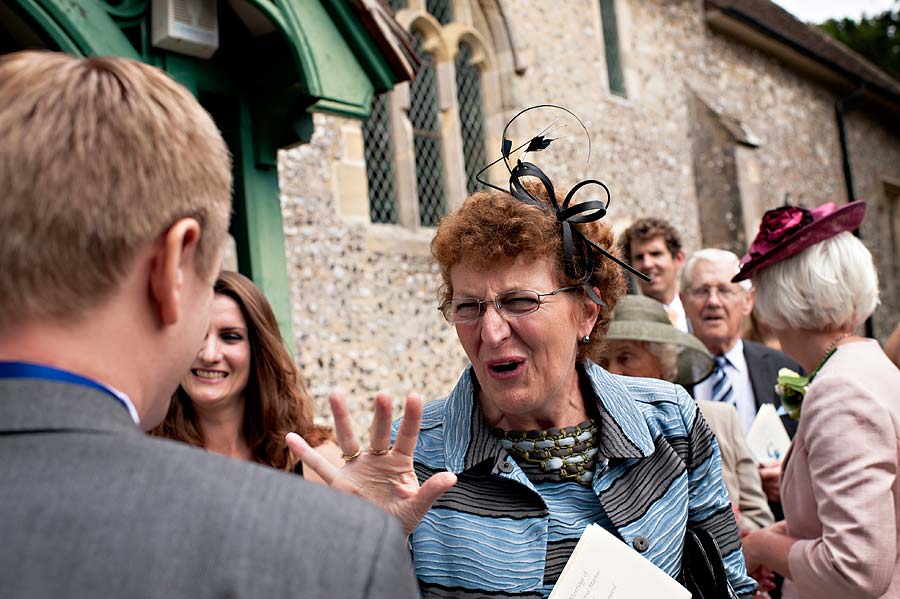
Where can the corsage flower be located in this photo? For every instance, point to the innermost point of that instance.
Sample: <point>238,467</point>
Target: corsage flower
<point>791,388</point>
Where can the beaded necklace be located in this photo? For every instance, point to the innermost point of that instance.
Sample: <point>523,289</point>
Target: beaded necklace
<point>565,454</point>
<point>833,345</point>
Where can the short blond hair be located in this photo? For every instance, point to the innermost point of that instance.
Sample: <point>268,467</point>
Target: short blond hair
<point>98,157</point>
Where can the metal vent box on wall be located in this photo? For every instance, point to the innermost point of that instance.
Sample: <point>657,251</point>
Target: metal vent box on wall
<point>186,26</point>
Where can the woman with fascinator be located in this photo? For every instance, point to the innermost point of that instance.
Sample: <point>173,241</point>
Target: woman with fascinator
<point>539,440</point>
<point>815,284</point>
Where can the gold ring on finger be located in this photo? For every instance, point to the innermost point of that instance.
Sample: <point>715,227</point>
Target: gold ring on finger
<point>374,451</point>
<point>349,457</point>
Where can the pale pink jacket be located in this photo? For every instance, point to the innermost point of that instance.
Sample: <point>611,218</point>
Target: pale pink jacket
<point>840,489</point>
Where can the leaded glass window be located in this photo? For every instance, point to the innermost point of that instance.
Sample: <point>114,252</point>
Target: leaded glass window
<point>427,144</point>
<point>611,47</point>
<point>379,153</point>
<point>440,10</point>
<point>471,115</point>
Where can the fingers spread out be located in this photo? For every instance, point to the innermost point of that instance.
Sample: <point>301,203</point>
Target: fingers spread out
<point>408,432</point>
<point>389,481</point>
<point>311,458</point>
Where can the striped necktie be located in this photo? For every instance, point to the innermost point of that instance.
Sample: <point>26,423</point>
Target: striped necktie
<point>721,387</point>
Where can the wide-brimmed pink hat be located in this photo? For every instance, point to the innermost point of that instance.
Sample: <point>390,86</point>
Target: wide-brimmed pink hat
<point>786,231</point>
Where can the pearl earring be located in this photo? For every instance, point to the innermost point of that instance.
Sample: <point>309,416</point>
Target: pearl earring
<point>586,339</point>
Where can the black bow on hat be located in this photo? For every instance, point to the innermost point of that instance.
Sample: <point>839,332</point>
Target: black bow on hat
<point>578,250</point>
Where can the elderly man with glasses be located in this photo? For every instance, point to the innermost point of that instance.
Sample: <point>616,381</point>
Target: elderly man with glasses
<point>746,372</point>
<point>716,307</point>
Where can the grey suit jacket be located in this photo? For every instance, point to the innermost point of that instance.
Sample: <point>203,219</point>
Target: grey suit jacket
<point>740,472</point>
<point>92,507</point>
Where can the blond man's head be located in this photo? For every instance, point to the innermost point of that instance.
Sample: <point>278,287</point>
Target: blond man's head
<point>98,157</point>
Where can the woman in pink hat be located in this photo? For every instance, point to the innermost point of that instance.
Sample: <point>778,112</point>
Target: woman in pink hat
<point>840,490</point>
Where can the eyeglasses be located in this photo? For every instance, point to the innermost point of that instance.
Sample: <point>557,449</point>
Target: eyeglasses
<point>515,303</point>
<point>725,292</point>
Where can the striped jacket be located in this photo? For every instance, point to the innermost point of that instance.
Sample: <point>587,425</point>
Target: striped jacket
<point>488,535</point>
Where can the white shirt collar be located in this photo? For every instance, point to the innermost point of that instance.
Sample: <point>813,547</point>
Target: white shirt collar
<point>126,401</point>
<point>675,307</point>
<point>675,304</point>
<point>736,356</point>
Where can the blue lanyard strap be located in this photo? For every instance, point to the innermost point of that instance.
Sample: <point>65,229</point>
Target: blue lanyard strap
<point>28,370</point>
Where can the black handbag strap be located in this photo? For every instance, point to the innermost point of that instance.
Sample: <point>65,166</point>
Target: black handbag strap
<point>702,570</point>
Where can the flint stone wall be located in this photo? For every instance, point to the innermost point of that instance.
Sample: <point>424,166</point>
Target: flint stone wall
<point>364,295</point>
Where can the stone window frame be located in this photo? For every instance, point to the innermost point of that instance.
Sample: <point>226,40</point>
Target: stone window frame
<point>442,42</point>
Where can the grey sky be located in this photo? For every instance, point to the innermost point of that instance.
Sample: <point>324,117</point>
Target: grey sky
<point>816,11</point>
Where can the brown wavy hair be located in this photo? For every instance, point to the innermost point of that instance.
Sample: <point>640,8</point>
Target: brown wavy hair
<point>646,229</point>
<point>493,226</point>
<point>276,401</point>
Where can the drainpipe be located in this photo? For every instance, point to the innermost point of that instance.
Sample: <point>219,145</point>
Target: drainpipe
<point>839,107</point>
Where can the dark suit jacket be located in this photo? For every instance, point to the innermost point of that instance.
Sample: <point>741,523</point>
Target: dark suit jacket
<point>92,507</point>
<point>763,364</point>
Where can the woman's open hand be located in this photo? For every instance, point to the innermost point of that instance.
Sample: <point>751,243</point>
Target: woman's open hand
<point>383,474</point>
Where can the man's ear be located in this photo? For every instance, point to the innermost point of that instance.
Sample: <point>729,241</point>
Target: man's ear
<point>174,256</point>
<point>678,259</point>
<point>748,304</point>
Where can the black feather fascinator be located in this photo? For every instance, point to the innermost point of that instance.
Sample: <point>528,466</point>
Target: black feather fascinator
<point>570,138</point>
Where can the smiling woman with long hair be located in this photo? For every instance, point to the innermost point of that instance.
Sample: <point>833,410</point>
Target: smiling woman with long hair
<point>243,392</point>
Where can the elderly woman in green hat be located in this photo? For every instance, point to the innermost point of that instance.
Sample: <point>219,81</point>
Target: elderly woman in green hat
<point>642,342</point>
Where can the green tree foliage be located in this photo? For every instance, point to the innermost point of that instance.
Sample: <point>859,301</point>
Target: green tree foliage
<point>877,38</point>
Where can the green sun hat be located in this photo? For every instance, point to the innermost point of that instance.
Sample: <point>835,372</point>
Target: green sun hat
<point>641,318</point>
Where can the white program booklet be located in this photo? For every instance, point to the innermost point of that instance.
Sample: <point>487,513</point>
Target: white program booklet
<point>603,567</point>
<point>767,437</point>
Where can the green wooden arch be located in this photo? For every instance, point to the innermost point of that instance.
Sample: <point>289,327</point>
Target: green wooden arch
<point>337,62</point>
<point>261,101</point>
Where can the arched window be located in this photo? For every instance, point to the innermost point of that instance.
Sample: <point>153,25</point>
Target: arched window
<point>427,143</point>
<point>426,140</point>
<point>471,115</point>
